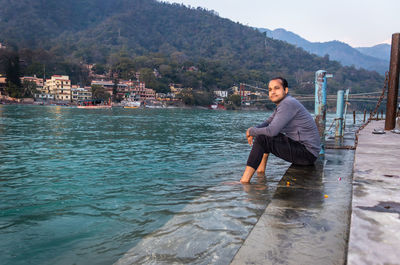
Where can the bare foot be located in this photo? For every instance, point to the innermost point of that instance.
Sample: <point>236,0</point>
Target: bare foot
<point>260,173</point>
<point>247,174</point>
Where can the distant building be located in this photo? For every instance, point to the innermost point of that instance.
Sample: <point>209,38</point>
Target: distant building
<point>193,69</point>
<point>126,87</point>
<point>165,96</point>
<point>44,96</point>
<point>140,90</point>
<point>175,88</point>
<point>244,94</point>
<point>146,93</point>
<point>3,83</point>
<point>81,93</point>
<point>161,96</point>
<point>38,81</point>
<point>221,93</point>
<point>59,86</point>
<point>109,86</point>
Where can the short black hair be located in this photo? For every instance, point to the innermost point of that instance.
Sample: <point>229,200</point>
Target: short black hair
<point>283,81</point>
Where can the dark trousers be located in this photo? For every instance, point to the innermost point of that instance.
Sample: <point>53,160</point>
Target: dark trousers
<point>281,146</point>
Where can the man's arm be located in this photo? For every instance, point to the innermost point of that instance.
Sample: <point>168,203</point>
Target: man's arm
<point>283,115</point>
<point>267,121</point>
<point>261,125</point>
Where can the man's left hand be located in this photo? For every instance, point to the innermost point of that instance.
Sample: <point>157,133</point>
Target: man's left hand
<point>249,137</point>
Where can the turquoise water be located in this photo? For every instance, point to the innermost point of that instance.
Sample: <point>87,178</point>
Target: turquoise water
<point>84,186</point>
<point>127,186</point>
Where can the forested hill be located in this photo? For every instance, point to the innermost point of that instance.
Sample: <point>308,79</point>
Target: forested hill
<point>130,35</point>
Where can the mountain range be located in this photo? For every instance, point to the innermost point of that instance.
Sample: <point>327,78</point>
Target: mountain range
<point>374,58</point>
<point>130,36</point>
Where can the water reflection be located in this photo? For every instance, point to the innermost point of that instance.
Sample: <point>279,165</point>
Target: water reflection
<point>207,231</point>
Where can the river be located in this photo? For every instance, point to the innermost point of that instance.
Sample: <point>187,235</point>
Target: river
<point>81,186</point>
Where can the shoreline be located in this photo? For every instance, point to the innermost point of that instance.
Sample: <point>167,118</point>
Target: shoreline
<point>172,106</point>
<point>167,107</point>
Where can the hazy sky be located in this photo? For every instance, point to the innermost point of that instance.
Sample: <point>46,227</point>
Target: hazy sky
<point>359,23</point>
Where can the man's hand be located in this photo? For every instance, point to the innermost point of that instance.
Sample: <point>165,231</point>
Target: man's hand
<point>249,137</point>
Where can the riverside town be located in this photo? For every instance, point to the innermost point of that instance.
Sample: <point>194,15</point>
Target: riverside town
<point>108,91</point>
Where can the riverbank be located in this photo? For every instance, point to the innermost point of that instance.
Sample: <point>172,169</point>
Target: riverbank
<point>181,105</point>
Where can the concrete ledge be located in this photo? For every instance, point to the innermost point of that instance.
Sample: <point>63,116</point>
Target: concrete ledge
<point>302,225</point>
<point>375,221</point>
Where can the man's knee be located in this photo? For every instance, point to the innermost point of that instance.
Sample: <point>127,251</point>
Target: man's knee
<point>263,139</point>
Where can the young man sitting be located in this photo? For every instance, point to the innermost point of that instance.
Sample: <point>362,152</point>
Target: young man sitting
<point>289,133</point>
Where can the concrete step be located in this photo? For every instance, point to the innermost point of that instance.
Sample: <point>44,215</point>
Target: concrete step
<point>307,221</point>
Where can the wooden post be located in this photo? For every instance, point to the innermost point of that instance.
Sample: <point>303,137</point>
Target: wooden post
<point>365,114</point>
<point>391,106</point>
<point>354,117</point>
<point>381,114</point>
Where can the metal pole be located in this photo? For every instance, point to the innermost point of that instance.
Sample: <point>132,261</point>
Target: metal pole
<point>345,108</point>
<point>339,113</point>
<point>365,114</point>
<point>354,117</point>
<point>391,106</point>
<point>320,105</point>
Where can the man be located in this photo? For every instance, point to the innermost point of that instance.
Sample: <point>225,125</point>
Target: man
<point>289,133</point>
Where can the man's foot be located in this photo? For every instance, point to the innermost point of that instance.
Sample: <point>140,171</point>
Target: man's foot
<point>248,173</point>
<point>262,166</point>
<point>260,173</point>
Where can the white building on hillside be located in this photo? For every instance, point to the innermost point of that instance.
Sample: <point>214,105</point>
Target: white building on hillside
<point>59,86</point>
<point>221,93</point>
<point>81,93</point>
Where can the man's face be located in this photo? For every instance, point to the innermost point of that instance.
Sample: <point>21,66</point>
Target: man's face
<point>276,91</point>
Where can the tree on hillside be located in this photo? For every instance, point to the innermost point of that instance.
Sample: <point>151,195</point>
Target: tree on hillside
<point>13,72</point>
<point>203,98</point>
<point>236,100</point>
<point>115,87</point>
<point>99,69</point>
<point>29,89</point>
<point>99,93</point>
<point>11,65</point>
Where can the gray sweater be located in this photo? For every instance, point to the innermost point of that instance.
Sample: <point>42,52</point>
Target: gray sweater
<point>292,119</point>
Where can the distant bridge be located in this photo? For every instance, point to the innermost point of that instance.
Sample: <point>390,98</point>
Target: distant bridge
<point>357,97</point>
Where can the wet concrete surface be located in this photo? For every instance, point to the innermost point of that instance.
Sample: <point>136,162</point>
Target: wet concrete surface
<point>307,221</point>
<point>375,221</point>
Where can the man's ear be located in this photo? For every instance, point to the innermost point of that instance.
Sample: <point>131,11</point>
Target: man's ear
<point>286,90</point>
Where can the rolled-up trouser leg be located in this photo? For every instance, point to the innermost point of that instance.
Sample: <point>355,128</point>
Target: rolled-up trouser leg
<point>281,146</point>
